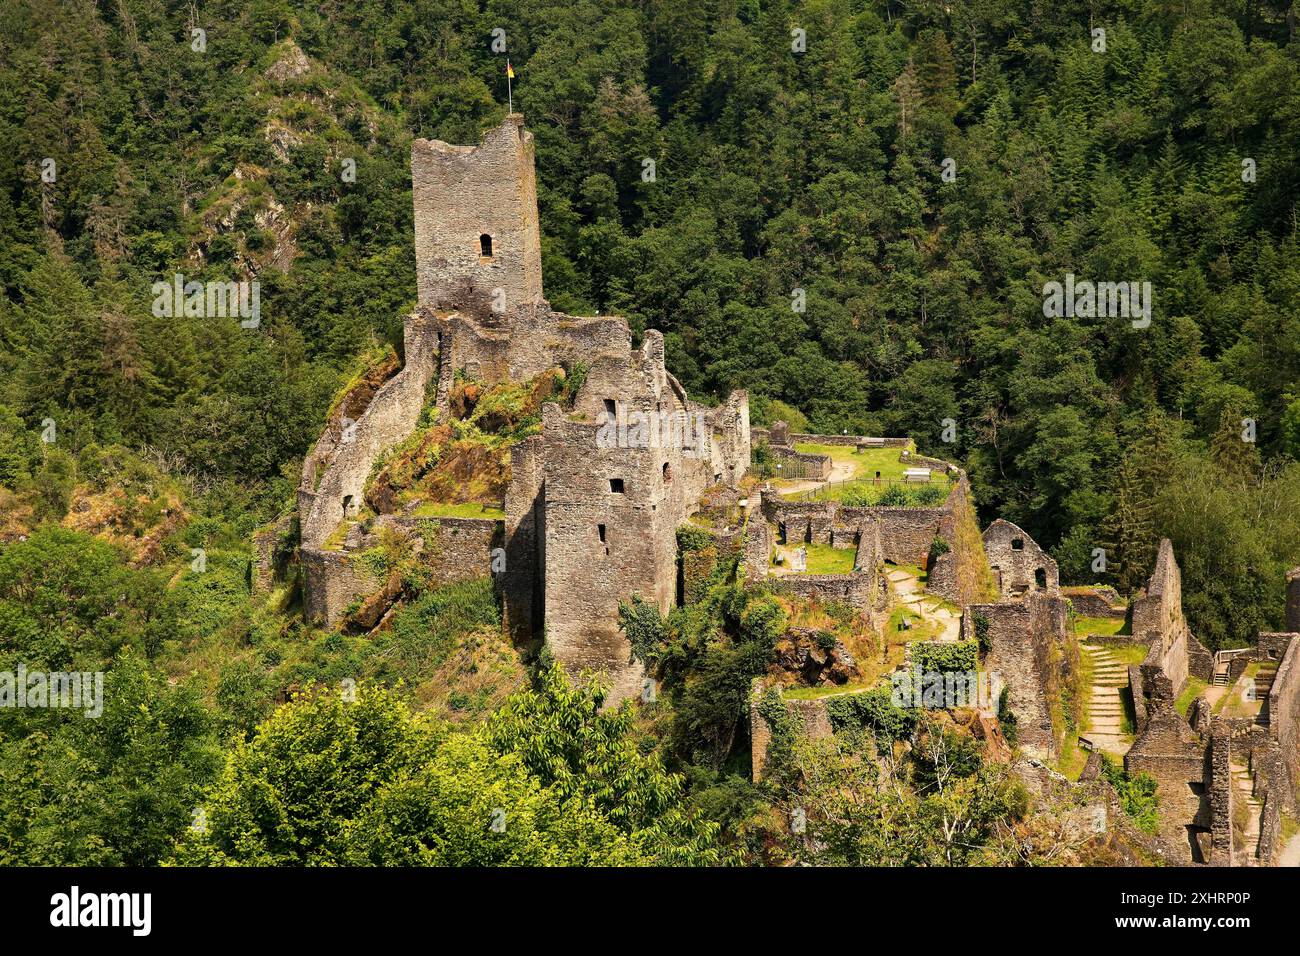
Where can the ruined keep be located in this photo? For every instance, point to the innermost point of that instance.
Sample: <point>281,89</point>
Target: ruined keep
<point>593,502</point>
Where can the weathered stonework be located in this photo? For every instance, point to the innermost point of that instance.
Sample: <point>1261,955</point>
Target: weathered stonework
<point>1019,564</point>
<point>594,501</point>
<point>1027,641</point>
<point>465,193</point>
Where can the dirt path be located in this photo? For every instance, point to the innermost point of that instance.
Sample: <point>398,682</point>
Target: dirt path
<point>930,609</point>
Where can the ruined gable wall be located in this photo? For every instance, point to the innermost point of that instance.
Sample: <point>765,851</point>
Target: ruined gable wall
<point>1158,621</point>
<point>462,192</point>
<point>962,574</point>
<point>1016,568</point>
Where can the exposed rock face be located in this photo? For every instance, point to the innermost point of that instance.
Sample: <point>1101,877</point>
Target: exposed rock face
<point>291,63</point>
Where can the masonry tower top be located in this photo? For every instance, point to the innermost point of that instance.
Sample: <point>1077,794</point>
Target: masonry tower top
<point>476,233</point>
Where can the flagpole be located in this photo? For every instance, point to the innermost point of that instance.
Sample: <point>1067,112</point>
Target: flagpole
<point>510,96</point>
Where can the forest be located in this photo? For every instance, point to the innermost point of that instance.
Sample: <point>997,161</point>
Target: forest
<point>853,212</point>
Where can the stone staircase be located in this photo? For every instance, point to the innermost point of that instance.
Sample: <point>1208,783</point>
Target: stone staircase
<point>1105,702</point>
<point>1243,782</point>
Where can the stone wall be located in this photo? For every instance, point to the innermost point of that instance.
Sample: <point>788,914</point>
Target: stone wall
<point>850,441</point>
<point>810,717</point>
<point>1175,755</point>
<point>1019,564</point>
<point>1026,641</point>
<point>1284,718</point>
<point>335,579</point>
<point>1158,621</point>
<point>335,473</point>
<point>1220,798</point>
<point>462,193</point>
<point>453,549</point>
<point>962,574</point>
<point>1099,601</point>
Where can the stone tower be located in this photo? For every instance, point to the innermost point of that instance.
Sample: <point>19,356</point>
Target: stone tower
<point>476,222</point>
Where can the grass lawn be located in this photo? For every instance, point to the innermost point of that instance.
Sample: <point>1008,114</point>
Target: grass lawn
<point>467,509</point>
<point>919,629</point>
<point>1083,626</point>
<point>1195,687</point>
<point>825,559</point>
<point>1127,655</point>
<point>865,463</point>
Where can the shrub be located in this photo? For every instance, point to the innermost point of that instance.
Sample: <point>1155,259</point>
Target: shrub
<point>933,656</point>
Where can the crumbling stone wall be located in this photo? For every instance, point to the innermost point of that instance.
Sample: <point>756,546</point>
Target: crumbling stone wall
<point>1025,641</point>
<point>1018,563</point>
<point>1284,719</point>
<point>453,549</point>
<point>1099,601</point>
<point>850,441</point>
<point>961,574</point>
<point>1176,756</point>
<point>810,717</point>
<point>335,579</point>
<point>522,582</point>
<point>1158,621</point>
<point>1220,798</point>
<point>345,456</point>
<point>905,533</point>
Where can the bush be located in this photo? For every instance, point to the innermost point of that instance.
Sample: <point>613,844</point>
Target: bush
<point>872,710</point>
<point>961,656</point>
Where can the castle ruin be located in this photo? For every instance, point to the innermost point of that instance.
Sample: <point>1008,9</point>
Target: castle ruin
<point>594,501</point>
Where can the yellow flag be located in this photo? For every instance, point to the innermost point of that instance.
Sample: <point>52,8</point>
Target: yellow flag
<point>510,71</point>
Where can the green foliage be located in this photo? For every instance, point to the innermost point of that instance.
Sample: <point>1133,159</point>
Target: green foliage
<point>112,790</point>
<point>873,710</point>
<point>645,629</point>
<point>982,633</point>
<point>1137,794</point>
<point>933,656</point>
